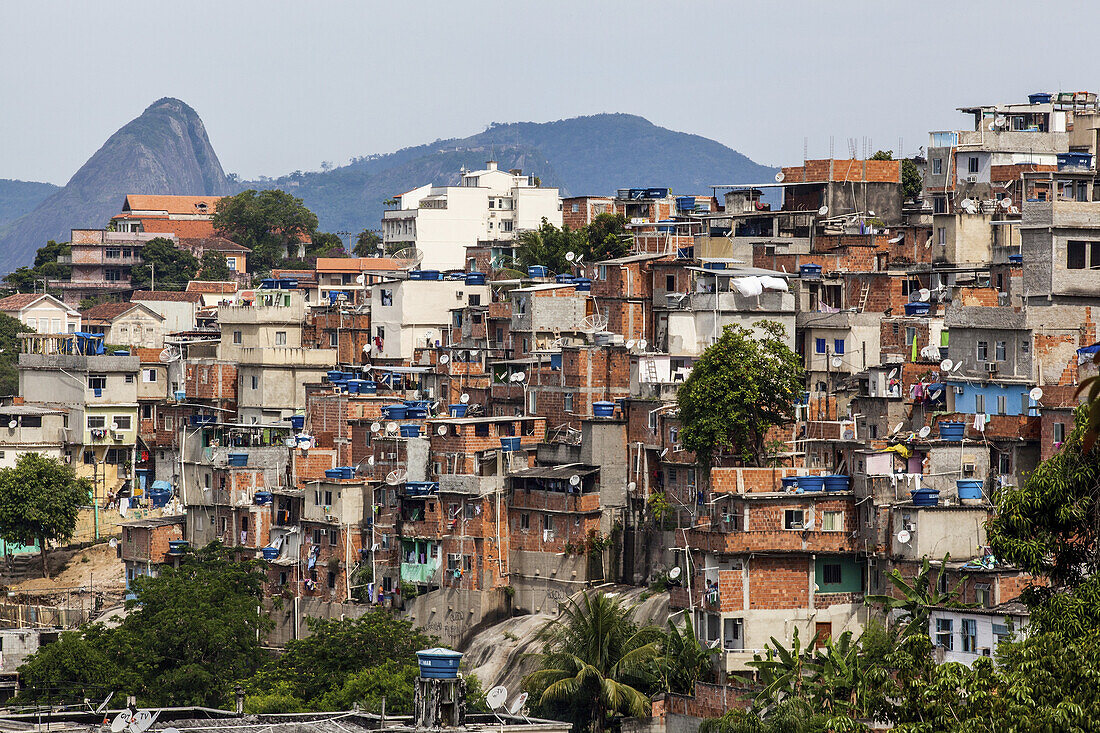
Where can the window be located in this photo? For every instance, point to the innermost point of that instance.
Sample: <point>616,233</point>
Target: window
<point>910,335</point>
<point>568,406</point>
<point>793,518</point>
<point>149,375</point>
<point>531,402</point>
<point>334,340</point>
<point>1025,346</point>
<point>969,635</point>
<point>97,381</point>
<point>575,208</point>
<point>896,329</point>
<point>819,346</point>
<point>237,337</point>
<point>838,346</point>
<point>999,350</point>
<point>982,595</point>
<point>937,166</point>
<point>231,262</point>
<point>55,325</point>
<point>328,498</point>
<point>547,523</point>
<point>387,296</point>
<point>979,403</point>
<point>972,165</point>
<point>122,421</point>
<point>1000,633</point>
<point>1002,404</point>
<point>1004,463</point>
<point>830,574</point>
<point>280,338</point>
<point>32,323</point>
<point>983,351</point>
<point>1059,432</point>
<point>112,274</point>
<point>733,633</point>
<point>112,253</point>
<point>1082,255</point>
<point>146,412</point>
<point>670,283</point>
<point>334,537</point>
<point>944,635</point>
<point>939,204</point>
<point>506,225</point>
<point>97,422</point>
<point>941,236</point>
<point>316,536</point>
<point>331,579</point>
<point>129,379</point>
<point>525,521</point>
<point>832,521</point>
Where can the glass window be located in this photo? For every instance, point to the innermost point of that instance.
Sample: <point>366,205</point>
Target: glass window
<point>937,166</point>
<point>979,403</point>
<point>944,634</point>
<point>999,351</point>
<point>969,635</point>
<point>910,335</point>
<point>1059,433</point>
<point>122,421</point>
<point>97,422</point>
<point>830,574</point>
<point>832,521</point>
<point>973,164</point>
<point>280,338</point>
<point>568,406</point>
<point>983,351</point>
<point>793,518</point>
<point>819,346</point>
<point>838,346</point>
<point>237,337</point>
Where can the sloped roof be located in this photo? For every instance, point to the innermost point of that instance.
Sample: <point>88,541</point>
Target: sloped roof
<point>357,264</point>
<point>19,301</point>
<point>172,204</point>
<point>173,296</point>
<point>182,228</point>
<point>111,311</point>
<point>212,286</point>
<point>219,244</point>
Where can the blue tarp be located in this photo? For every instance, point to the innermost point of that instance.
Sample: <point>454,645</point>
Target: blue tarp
<point>1089,350</point>
<point>161,484</point>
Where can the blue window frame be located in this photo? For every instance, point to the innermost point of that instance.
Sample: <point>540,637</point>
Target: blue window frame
<point>945,636</point>
<point>838,346</point>
<point>819,346</point>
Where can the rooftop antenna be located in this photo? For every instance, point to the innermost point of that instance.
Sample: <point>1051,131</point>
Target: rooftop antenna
<point>517,705</point>
<point>143,721</point>
<point>924,432</point>
<point>496,697</point>
<point>121,721</point>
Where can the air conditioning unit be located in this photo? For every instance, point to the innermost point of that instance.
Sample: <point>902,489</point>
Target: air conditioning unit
<point>991,367</point>
<point>458,295</point>
<point>971,179</point>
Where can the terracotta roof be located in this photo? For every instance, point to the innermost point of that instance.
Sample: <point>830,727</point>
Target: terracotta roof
<point>107,311</point>
<point>171,204</point>
<point>175,296</point>
<point>217,287</point>
<point>183,228</point>
<point>304,277</point>
<point>19,301</point>
<point>219,244</point>
<point>356,264</point>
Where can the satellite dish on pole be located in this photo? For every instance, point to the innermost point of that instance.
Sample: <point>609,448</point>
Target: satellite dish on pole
<point>570,256</point>
<point>823,211</point>
<point>946,365</point>
<point>391,427</point>
<point>496,697</point>
<point>574,480</point>
<point>836,361</point>
<point>464,398</point>
<point>924,294</point>
<point>361,279</point>
<point>441,430</point>
<point>779,177</point>
<point>924,432</point>
<point>395,477</point>
<point>518,704</point>
<point>1036,393</point>
<point>443,358</point>
<point>121,721</point>
<point>893,373</point>
<point>630,344</point>
<point>143,721</point>
<point>642,344</point>
<point>897,429</point>
<point>904,537</point>
<point>370,460</point>
<point>375,427</point>
<point>674,573</point>
<point>12,425</point>
<point>957,367</point>
<point>366,348</point>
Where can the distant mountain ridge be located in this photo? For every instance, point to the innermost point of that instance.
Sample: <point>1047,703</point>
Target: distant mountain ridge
<point>595,154</point>
<point>165,150</point>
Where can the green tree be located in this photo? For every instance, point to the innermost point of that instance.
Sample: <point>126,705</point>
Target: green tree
<point>191,633</point>
<point>316,669</point>
<point>46,267</point>
<point>917,597</point>
<point>9,353</point>
<point>213,267</point>
<point>392,680</point>
<point>548,246</point>
<point>742,386</point>
<point>271,223</point>
<point>165,264</point>
<point>912,184</point>
<point>595,664</point>
<point>325,244</point>
<point>606,237</point>
<point>683,660</point>
<point>367,244</point>
<point>40,499</point>
<point>789,716</point>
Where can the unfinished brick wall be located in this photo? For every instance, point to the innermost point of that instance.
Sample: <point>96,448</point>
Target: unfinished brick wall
<point>779,582</point>
<point>149,544</point>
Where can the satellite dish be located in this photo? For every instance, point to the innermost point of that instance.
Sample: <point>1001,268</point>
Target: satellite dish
<point>518,704</point>
<point>375,427</point>
<point>143,721</point>
<point>12,425</point>
<point>663,452</point>
<point>823,211</point>
<point>165,356</point>
<point>674,573</point>
<point>836,361</point>
<point>114,425</point>
<point>924,432</point>
<point>779,177</point>
<point>464,398</point>
<point>441,430</point>
<point>1006,203</point>
<point>631,486</point>
<point>897,429</point>
<point>361,279</point>
<point>630,344</point>
<point>391,427</point>
<point>992,126</point>
<point>370,460</point>
<point>121,721</point>
<point>904,537</point>
<point>1000,120</point>
<point>366,348</point>
<point>395,477</point>
<point>642,344</point>
<point>443,358</point>
<point>496,697</point>
<point>171,730</point>
<point>1036,393</point>
<point>924,294</point>
<point>893,373</point>
<point>570,256</point>
<point>574,480</point>
<point>946,365</point>
<point>957,367</point>
<point>113,542</point>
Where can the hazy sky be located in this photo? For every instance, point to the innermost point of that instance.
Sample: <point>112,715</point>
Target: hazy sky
<point>286,85</point>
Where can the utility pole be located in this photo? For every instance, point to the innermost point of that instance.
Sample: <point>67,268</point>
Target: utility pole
<point>152,275</point>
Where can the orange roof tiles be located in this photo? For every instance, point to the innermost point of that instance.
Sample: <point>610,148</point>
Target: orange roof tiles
<point>179,205</point>
<point>19,301</point>
<point>214,286</point>
<point>182,228</point>
<point>167,295</point>
<point>356,264</point>
<point>107,311</point>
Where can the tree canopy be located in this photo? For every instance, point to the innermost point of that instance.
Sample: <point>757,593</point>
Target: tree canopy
<point>213,267</point>
<point>271,223</point>
<point>742,386</point>
<point>367,244</point>
<point>40,499</point>
<point>166,264</point>
<point>9,352</point>
<point>46,267</point>
<point>912,183</point>
<point>605,238</point>
<point>191,633</point>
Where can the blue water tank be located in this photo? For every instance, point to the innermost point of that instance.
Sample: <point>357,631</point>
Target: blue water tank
<point>509,444</point>
<point>394,412</point>
<point>297,421</point>
<point>925,497</point>
<point>789,483</point>
<point>536,271</point>
<point>952,431</point>
<point>1038,98</point>
<point>809,270</point>
<point>438,663</point>
<point>811,483</point>
<point>238,459</point>
<point>1015,259</point>
<point>582,284</point>
<point>916,309</point>
<point>457,410</point>
<point>475,278</point>
<point>969,488</point>
<point>603,409</point>
<point>564,277</point>
<point>837,482</point>
<point>270,553</point>
<point>410,430</point>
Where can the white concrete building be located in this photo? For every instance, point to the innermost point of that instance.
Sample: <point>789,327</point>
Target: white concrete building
<point>490,205</point>
<point>41,312</point>
<point>406,314</point>
<point>964,634</point>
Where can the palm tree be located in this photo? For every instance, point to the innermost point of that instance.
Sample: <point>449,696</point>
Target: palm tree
<point>683,660</point>
<point>593,662</point>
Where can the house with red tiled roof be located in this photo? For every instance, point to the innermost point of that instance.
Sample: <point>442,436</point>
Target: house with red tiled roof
<point>214,292</point>
<point>41,312</point>
<point>236,255</point>
<point>126,324</point>
<point>178,308</point>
